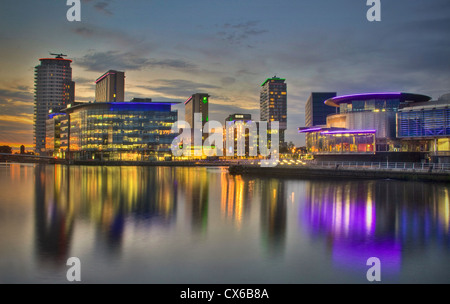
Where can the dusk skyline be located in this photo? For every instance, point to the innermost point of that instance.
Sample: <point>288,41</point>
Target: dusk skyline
<point>170,50</point>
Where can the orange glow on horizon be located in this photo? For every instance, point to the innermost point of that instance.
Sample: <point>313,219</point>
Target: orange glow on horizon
<point>16,145</point>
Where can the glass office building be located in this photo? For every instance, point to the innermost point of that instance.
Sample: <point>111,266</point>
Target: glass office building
<point>316,111</point>
<point>131,131</point>
<point>273,104</point>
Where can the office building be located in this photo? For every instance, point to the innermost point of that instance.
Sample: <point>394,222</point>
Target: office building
<point>131,131</point>
<point>316,111</point>
<point>197,104</point>
<point>53,133</point>
<point>237,136</point>
<point>110,87</point>
<point>273,104</point>
<point>54,89</point>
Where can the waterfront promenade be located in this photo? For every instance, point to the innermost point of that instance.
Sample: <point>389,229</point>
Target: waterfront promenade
<point>348,170</point>
<point>435,172</point>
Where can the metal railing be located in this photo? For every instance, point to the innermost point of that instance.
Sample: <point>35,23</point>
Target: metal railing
<point>407,166</point>
<point>384,165</point>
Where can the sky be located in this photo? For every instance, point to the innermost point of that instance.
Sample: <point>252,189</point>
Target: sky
<point>171,49</point>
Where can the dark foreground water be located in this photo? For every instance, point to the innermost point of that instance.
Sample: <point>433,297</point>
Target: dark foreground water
<point>201,225</point>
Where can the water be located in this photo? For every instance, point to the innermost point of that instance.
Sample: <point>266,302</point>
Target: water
<point>201,225</point>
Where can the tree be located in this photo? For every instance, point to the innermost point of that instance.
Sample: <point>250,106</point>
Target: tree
<point>6,149</point>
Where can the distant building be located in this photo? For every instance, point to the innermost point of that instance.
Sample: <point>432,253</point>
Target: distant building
<point>273,104</point>
<point>22,149</point>
<point>53,134</point>
<point>316,111</point>
<point>239,134</point>
<point>130,131</point>
<point>197,103</point>
<point>110,87</point>
<point>54,89</point>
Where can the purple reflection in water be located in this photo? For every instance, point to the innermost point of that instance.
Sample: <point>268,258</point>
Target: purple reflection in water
<point>354,255</point>
<point>346,215</point>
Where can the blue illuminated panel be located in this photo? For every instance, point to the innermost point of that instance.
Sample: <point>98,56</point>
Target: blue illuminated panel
<point>425,123</point>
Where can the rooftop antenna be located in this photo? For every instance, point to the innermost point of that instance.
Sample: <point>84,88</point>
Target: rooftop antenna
<point>59,56</point>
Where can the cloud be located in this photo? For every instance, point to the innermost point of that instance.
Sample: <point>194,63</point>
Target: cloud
<point>16,93</point>
<point>101,6</point>
<point>116,37</point>
<point>126,61</point>
<point>237,34</point>
<point>177,88</point>
<point>25,119</point>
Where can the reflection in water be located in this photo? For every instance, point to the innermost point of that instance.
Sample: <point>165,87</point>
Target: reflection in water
<point>53,218</point>
<point>236,197</point>
<point>105,196</point>
<point>194,186</point>
<point>273,215</point>
<point>146,219</point>
<point>363,219</point>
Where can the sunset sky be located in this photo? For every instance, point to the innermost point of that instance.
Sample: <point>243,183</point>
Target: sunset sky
<point>170,49</point>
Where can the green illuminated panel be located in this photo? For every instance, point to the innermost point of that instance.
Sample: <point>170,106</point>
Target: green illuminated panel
<point>275,78</point>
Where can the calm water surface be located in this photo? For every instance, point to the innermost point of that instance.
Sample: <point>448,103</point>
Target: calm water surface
<point>201,225</point>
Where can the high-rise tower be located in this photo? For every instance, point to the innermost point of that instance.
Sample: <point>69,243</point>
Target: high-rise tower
<point>273,103</point>
<point>197,104</point>
<point>54,89</point>
<point>110,87</point>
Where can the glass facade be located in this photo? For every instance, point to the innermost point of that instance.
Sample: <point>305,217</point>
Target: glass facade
<point>53,134</point>
<point>373,105</point>
<point>122,131</point>
<point>345,141</point>
<point>316,111</point>
<point>424,123</point>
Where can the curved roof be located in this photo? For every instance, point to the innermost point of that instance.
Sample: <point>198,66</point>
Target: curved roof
<point>404,97</point>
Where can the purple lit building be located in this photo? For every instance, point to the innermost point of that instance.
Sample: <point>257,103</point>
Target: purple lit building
<point>366,124</point>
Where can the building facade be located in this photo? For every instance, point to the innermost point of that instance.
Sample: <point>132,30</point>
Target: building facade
<point>110,87</point>
<point>128,131</point>
<point>54,89</point>
<point>197,104</point>
<point>404,126</point>
<point>53,134</point>
<point>425,127</point>
<point>273,104</point>
<point>316,111</point>
<point>236,133</point>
